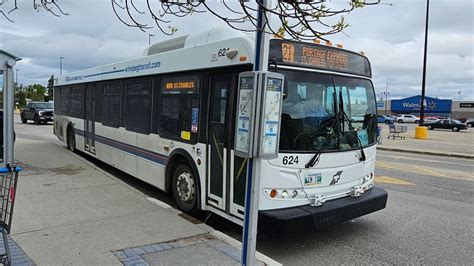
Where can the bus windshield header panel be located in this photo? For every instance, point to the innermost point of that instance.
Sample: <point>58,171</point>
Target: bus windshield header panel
<point>319,56</point>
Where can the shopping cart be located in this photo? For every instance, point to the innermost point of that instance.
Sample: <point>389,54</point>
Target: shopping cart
<point>396,130</point>
<point>8,181</point>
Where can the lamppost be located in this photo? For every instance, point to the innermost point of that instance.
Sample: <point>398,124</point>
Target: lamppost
<point>149,38</point>
<point>61,65</point>
<point>16,76</point>
<point>423,83</point>
<point>386,93</point>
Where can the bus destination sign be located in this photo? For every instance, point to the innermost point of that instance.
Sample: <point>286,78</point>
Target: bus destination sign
<point>185,85</point>
<point>319,56</point>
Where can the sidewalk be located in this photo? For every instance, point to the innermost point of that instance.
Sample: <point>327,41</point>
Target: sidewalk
<point>69,212</point>
<point>439,142</point>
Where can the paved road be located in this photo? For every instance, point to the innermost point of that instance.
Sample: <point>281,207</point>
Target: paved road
<point>429,218</point>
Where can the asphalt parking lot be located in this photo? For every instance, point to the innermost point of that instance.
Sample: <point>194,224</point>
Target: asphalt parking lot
<point>429,218</point>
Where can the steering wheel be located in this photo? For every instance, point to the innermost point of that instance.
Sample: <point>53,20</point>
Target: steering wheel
<point>312,135</point>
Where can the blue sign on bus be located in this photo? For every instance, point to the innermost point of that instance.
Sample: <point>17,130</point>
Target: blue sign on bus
<point>413,105</point>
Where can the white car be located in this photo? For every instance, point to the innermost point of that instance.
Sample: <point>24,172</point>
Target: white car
<point>407,119</point>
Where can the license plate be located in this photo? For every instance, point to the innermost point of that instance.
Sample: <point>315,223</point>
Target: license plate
<point>311,179</point>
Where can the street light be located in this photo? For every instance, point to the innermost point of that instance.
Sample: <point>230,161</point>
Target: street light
<point>16,76</point>
<point>61,65</point>
<point>149,38</point>
<point>423,83</point>
<point>386,93</point>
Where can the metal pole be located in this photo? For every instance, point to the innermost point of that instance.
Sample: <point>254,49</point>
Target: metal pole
<point>249,238</point>
<point>61,65</point>
<point>386,98</point>
<point>8,98</point>
<point>423,83</point>
<point>149,38</point>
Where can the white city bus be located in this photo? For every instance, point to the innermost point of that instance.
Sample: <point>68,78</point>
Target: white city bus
<point>168,118</point>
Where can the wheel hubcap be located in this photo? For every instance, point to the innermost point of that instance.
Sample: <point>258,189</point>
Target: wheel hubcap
<point>185,187</point>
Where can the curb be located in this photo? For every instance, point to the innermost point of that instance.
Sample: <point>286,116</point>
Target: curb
<point>454,155</point>
<point>237,244</point>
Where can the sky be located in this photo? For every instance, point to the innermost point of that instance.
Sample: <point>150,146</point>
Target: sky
<point>392,37</point>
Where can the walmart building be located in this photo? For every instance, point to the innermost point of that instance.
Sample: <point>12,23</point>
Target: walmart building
<point>433,107</point>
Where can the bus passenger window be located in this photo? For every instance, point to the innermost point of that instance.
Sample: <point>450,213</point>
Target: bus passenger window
<point>138,106</point>
<point>77,102</point>
<point>179,112</point>
<point>111,105</point>
<point>65,95</point>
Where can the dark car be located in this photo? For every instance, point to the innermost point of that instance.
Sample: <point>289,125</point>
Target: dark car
<point>385,119</point>
<point>39,112</point>
<point>452,124</point>
<point>470,122</point>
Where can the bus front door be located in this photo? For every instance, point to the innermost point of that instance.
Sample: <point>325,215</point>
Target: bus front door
<point>227,173</point>
<point>89,118</point>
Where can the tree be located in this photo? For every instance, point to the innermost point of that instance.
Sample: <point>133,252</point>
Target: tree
<point>297,19</point>
<point>51,6</point>
<point>35,92</point>
<point>301,20</point>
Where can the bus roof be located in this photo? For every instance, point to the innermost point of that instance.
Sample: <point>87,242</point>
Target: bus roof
<point>217,47</point>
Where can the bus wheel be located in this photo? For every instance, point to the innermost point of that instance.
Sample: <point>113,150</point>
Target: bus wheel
<point>23,119</point>
<point>71,139</point>
<point>184,186</point>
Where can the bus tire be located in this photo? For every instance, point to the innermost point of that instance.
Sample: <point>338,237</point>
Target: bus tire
<point>71,139</point>
<point>184,186</point>
<point>23,119</point>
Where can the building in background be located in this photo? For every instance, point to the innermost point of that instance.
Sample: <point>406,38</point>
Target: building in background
<point>433,107</point>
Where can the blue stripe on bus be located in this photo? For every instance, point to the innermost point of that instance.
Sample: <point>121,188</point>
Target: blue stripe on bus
<point>134,150</point>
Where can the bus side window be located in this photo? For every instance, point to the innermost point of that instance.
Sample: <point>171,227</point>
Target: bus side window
<point>137,115</point>
<point>179,114</point>
<point>111,105</point>
<point>65,96</point>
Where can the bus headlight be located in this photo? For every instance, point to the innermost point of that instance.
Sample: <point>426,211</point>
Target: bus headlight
<point>294,194</point>
<point>284,194</point>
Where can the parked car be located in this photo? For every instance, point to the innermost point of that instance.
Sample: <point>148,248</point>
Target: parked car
<point>358,118</point>
<point>39,112</point>
<point>407,119</point>
<point>470,122</point>
<point>385,119</point>
<point>454,125</point>
<point>431,119</point>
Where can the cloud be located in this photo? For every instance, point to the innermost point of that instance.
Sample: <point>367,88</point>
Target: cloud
<point>391,36</point>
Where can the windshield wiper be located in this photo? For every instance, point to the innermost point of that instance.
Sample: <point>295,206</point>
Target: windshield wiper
<point>315,158</point>
<point>351,128</point>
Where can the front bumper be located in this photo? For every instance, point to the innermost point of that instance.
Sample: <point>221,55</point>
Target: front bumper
<point>303,219</point>
<point>46,118</point>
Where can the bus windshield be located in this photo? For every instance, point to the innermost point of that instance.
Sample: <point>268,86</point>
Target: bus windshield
<point>312,118</point>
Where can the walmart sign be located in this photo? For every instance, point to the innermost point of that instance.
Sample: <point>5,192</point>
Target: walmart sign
<point>413,105</point>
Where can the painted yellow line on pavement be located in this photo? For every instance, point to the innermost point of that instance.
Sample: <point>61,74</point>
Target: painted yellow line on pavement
<point>390,180</point>
<point>428,171</point>
<point>385,165</point>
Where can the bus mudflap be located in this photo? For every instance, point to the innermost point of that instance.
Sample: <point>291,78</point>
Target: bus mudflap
<point>296,221</point>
